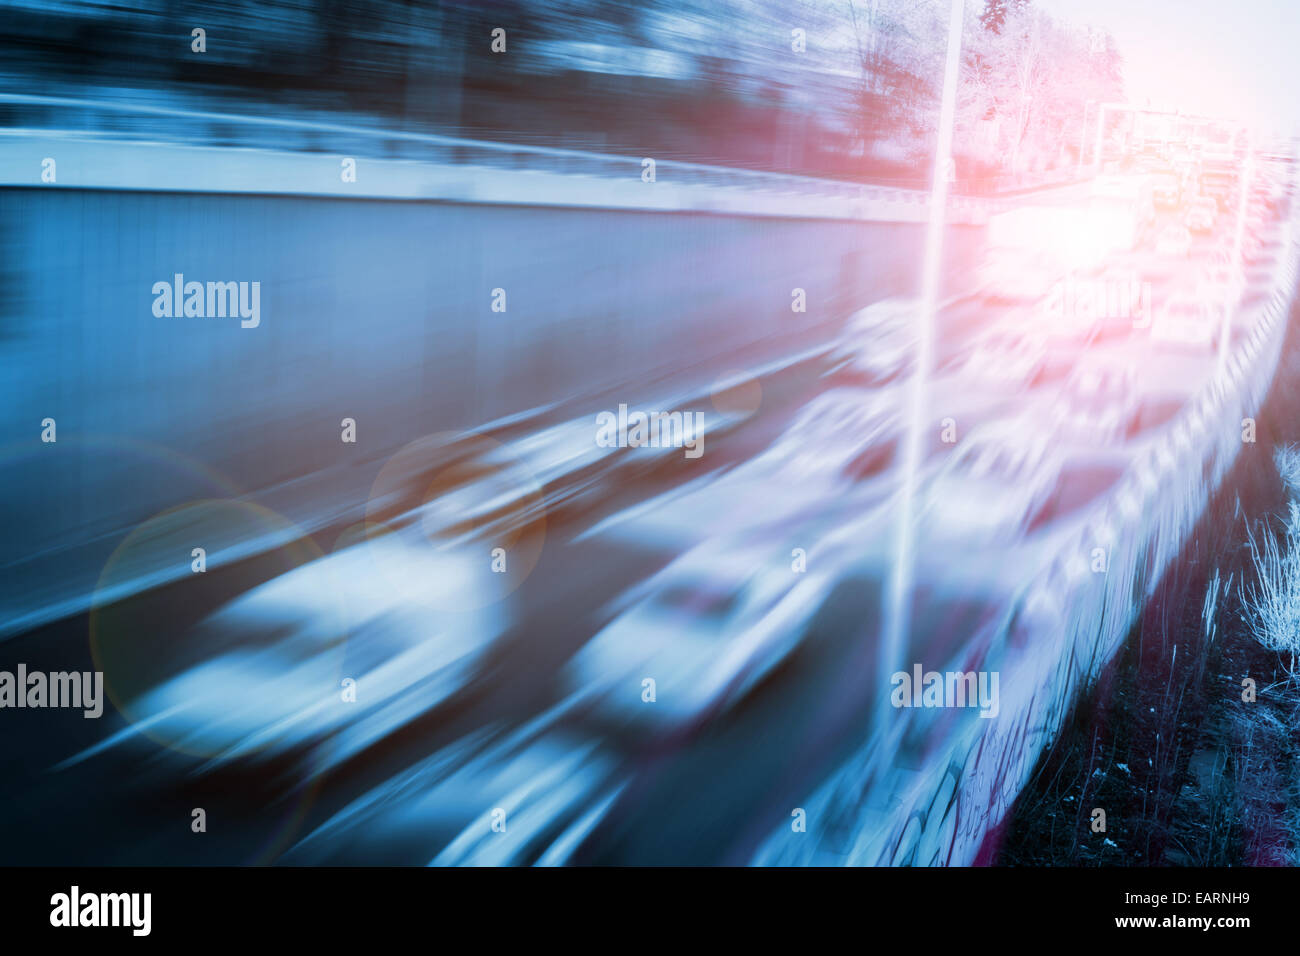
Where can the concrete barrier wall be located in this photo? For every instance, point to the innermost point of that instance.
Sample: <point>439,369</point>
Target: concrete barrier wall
<point>380,311</point>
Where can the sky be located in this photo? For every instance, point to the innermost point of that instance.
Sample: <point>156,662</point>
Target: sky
<point>1225,58</point>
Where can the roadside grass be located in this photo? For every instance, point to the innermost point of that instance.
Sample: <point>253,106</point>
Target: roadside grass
<point>1287,460</point>
<point>1271,603</point>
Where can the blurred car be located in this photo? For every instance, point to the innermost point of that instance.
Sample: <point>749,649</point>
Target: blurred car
<point>1099,404</point>
<point>1187,321</point>
<point>408,623</point>
<point>1166,190</point>
<point>705,629</point>
<point>500,487</point>
<point>878,344</point>
<point>556,472</point>
<point>994,488</point>
<point>1253,249</point>
<point>1202,213</point>
<point>1174,240</point>
<point>846,433</point>
<point>1266,197</point>
<point>1221,277</point>
<point>485,800</point>
<point>1126,302</point>
<point>1013,356</point>
<point>1186,168</point>
<point>843,443</point>
<point>544,797</point>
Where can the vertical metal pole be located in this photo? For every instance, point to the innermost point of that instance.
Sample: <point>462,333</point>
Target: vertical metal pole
<point>1101,122</point>
<point>899,600</point>
<point>1083,134</point>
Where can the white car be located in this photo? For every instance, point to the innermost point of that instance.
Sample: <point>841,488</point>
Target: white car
<point>1174,240</point>
<point>1123,302</point>
<point>1222,269</point>
<point>404,624</point>
<point>993,489</point>
<point>1201,214</point>
<point>843,433</point>
<point>705,630</point>
<point>878,344</point>
<point>501,487</point>
<point>1188,322</point>
<point>1167,190</point>
<point>484,800</point>
<point>1252,248</point>
<point>1099,404</point>
<point>842,444</point>
<point>1008,357</point>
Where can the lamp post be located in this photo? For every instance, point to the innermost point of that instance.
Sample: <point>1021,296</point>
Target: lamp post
<point>1101,125</point>
<point>898,608</point>
<point>1083,133</point>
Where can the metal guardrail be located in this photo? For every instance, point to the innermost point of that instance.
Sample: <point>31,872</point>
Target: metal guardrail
<point>131,122</point>
<point>916,808</point>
